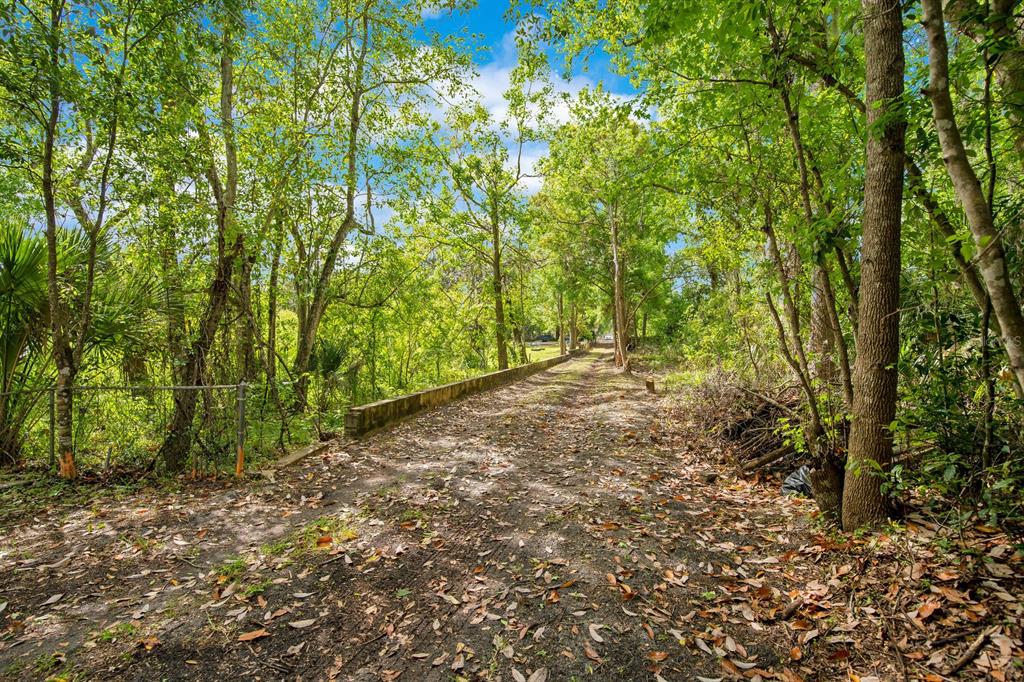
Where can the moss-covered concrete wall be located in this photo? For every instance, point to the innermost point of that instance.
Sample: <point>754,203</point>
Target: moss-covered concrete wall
<point>366,418</point>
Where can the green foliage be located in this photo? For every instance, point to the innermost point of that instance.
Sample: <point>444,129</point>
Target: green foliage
<point>308,197</point>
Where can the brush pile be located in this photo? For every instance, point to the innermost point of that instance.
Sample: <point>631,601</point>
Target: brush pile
<point>750,419</point>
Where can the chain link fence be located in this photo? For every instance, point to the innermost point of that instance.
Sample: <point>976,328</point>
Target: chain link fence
<point>122,427</point>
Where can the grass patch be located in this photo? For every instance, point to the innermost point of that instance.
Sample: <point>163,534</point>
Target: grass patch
<point>231,570</point>
<point>44,664</point>
<point>538,353</point>
<point>276,548</point>
<point>324,533</point>
<point>119,631</point>
<point>413,514</point>
<point>256,588</point>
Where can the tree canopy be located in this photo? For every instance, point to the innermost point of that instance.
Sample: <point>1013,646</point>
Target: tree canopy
<point>310,197</point>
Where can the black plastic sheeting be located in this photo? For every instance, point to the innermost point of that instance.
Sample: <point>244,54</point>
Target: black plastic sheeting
<point>798,483</point>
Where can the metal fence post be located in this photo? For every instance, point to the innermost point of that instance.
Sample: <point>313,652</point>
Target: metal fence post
<point>240,458</point>
<point>53,426</point>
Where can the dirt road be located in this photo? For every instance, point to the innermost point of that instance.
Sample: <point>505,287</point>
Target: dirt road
<point>560,528</point>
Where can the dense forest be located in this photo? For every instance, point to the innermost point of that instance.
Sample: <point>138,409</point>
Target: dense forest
<point>310,198</point>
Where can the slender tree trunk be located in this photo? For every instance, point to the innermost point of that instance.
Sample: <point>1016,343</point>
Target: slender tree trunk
<point>797,362</point>
<point>561,325</point>
<point>839,341</point>
<point>176,446</point>
<point>573,329</point>
<point>874,381</point>
<point>275,269</point>
<point>521,322</point>
<point>852,287</point>
<point>821,340</point>
<point>987,239</point>
<point>619,297</point>
<point>499,295</point>
<point>63,354</point>
<point>174,311</point>
<point>247,334</point>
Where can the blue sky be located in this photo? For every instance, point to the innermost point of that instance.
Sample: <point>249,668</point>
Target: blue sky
<point>488,18</point>
<point>498,56</point>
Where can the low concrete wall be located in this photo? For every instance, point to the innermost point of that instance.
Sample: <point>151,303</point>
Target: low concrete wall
<point>365,418</point>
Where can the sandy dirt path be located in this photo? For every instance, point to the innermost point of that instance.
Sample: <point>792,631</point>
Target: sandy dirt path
<point>560,528</point>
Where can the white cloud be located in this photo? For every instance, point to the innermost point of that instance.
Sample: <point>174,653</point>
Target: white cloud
<point>493,80</point>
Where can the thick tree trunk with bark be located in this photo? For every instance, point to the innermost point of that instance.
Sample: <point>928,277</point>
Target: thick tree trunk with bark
<point>874,380</point>
<point>987,239</point>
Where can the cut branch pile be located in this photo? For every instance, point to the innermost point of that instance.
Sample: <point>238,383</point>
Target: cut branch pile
<point>750,419</point>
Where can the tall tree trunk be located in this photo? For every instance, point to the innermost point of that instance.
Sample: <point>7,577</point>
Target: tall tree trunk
<point>987,238</point>
<point>317,306</point>
<point>63,354</point>
<point>573,328</point>
<point>275,269</point>
<point>619,296</point>
<point>874,381</point>
<point>499,295</point>
<point>561,325</point>
<point>247,334</point>
<point>821,340</point>
<point>175,448</point>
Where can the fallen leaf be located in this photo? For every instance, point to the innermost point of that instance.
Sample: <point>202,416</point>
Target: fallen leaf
<point>593,629</point>
<point>302,623</point>
<point>255,634</point>
<point>539,675</point>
